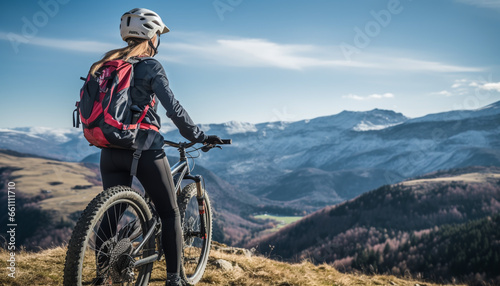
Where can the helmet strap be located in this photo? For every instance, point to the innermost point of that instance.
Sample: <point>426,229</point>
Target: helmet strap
<point>153,47</point>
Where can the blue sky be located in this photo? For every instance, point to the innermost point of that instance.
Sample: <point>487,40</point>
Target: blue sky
<point>258,61</point>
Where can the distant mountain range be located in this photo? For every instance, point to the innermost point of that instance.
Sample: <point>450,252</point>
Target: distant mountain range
<point>310,164</point>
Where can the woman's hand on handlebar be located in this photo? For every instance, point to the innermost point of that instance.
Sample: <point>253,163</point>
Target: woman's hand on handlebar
<point>210,142</point>
<point>213,140</point>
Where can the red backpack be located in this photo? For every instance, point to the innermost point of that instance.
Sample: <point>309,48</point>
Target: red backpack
<point>108,116</point>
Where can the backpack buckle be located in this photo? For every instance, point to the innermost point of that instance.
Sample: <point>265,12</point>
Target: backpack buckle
<point>137,155</point>
<point>130,126</point>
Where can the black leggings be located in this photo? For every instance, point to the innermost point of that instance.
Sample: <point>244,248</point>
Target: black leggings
<point>154,174</point>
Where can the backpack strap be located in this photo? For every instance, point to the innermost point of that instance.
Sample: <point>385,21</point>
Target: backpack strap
<point>76,119</point>
<point>138,152</point>
<point>151,135</point>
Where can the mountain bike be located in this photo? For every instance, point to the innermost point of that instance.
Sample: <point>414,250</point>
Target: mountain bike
<point>118,236</point>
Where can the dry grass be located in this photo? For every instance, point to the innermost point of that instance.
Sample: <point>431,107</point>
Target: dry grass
<point>465,178</point>
<point>45,268</point>
<point>35,175</point>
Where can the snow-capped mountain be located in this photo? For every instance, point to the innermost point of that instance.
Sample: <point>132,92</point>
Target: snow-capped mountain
<point>352,152</point>
<point>58,143</point>
<point>491,109</point>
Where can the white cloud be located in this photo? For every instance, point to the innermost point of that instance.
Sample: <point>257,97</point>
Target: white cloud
<point>263,53</point>
<point>459,83</point>
<point>371,96</point>
<point>197,49</point>
<point>442,92</point>
<point>255,53</point>
<point>353,96</point>
<point>385,95</point>
<point>273,54</point>
<point>491,86</point>
<point>468,86</point>
<point>461,87</point>
<point>72,45</point>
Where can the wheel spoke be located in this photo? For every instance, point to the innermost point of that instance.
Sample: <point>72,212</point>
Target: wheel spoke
<point>105,257</point>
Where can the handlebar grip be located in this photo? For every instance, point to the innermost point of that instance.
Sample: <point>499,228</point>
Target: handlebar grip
<point>227,141</point>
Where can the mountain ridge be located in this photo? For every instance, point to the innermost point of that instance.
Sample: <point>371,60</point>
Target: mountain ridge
<point>382,143</point>
<point>494,108</point>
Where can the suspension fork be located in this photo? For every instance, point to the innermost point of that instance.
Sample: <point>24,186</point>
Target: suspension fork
<point>200,197</point>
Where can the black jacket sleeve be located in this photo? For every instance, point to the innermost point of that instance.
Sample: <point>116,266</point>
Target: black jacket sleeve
<point>175,111</point>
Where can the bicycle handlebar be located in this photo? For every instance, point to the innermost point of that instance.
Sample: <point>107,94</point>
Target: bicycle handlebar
<point>190,144</point>
<point>179,144</point>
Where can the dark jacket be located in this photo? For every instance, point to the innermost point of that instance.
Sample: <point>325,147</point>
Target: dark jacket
<point>150,79</point>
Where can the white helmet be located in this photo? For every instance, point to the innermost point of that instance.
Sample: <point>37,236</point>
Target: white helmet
<point>141,23</point>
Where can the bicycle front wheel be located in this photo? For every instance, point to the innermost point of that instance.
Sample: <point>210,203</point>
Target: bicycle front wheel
<point>101,248</point>
<point>197,239</point>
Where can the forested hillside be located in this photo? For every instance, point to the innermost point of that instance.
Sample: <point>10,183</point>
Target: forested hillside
<point>468,251</point>
<point>443,226</point>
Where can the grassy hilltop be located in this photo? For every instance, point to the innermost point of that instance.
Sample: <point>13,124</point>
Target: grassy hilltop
<point>46,268</point>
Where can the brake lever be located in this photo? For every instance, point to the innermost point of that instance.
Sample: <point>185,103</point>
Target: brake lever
<point>207,148</point>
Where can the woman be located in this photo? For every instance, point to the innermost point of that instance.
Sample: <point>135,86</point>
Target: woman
<point>141,29</point>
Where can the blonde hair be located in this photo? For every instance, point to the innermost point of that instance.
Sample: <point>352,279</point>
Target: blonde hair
<point>136,47</point>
